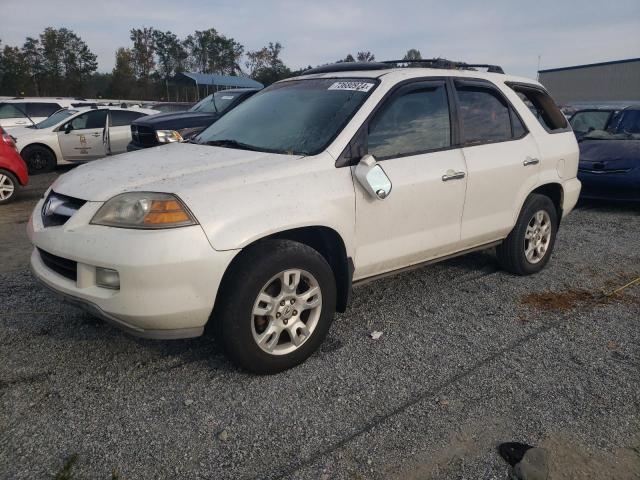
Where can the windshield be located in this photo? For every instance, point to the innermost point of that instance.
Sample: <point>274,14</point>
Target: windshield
<point>56,118</point>
<point>215,103</point>
<point>295,117</point>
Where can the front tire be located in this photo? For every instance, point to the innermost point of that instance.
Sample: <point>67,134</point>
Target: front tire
<point>276,306</point>
<point>527,249</point>
<point>39,159</point>
<point>8,186</point>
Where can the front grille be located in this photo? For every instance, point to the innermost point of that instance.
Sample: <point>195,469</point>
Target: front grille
<point>143,135</point>
<point>62,266</point>
<point>57,209</point>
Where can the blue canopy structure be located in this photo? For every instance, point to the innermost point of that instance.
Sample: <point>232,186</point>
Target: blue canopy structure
<point>212,80</point>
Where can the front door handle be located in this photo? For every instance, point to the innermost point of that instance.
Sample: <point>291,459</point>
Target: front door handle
<point>451,175</point>
<point>530,161</point>
<point>96,134</point>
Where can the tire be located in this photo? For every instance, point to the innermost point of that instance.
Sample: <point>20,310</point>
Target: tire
<point>518,253</point>
<point>260,271</point>
<point>39,159</point>
<point>8,186</point>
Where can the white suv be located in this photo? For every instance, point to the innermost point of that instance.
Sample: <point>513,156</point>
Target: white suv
<point>261,227</point>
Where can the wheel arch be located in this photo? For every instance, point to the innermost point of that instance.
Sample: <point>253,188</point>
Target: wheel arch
<point>325,240</point>
<point>555,192</point>
<point>43,145</point>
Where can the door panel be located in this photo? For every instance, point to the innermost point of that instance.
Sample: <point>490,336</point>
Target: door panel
<point>85,140</point>
<point>418,221</point>
<point>410,136</point>
<point>498,180</point>
<point>119,138</point>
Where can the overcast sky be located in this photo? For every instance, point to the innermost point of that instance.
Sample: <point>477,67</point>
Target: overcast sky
<point>510,33</point>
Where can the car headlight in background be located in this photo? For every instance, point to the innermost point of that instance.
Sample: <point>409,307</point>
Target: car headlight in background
<point>168,136</point>
<point>145,210</point>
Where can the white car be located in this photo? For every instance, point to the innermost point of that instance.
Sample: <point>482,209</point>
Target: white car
<point>313,185</point>
<point>76,135</point>
<point>23,112</point>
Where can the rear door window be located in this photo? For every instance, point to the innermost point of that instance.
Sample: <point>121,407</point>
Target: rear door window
<point>414,122</point>
<point>121,118</point>
<point>11,110</point>
<point>484,115</point>
<point>41,109</point>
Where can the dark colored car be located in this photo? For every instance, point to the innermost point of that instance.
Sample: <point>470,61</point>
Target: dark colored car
<point>13,170</point>
<point>164,128</point>
<point>609,142</point>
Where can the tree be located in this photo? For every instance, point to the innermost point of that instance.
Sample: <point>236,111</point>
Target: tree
<point>210,52</point>
<point>171,53</point>
<point>412,54</point>
<point>143,51</point>
<point>14,72</point>
<point>265,65</point>
<point>123,75</point>
<point>365,57</point>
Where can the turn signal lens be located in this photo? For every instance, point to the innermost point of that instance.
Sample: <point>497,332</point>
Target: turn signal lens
<point>144,210</point>
<point>165,211</point>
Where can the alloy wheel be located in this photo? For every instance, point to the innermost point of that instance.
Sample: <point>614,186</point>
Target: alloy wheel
<point>7,188</point>
<point>537,237</point>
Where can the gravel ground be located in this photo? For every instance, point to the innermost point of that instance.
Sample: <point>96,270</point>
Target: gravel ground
<point>469,357</point>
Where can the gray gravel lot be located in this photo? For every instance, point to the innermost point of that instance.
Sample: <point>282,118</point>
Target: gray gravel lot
<point>469,357</point>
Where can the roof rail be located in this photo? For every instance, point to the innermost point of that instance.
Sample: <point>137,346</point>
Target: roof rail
<point>448,64</point>
<point>386,64</point>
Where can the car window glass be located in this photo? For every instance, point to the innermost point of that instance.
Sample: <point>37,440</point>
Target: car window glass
<point>415,122</point>
<point>56,118</point>
<point>40,109</point>
<point>10,110</point>
<point>484,116</point>
<point>120,118</point>
<point>587,121</point>
<point>518,128</point>
<point>629,122</point>
<point>89,120</point>
<point>542,106</point>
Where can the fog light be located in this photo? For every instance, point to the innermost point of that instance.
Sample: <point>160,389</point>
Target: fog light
<point>107,278</point>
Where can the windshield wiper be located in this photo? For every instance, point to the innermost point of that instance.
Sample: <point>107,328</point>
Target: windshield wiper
<point>233,144</point>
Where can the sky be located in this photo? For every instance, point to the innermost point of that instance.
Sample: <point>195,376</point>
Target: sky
<point>512,34</point>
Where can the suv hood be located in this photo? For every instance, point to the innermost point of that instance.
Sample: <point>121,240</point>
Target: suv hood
<point>188,170</point>
<point>177,120</point>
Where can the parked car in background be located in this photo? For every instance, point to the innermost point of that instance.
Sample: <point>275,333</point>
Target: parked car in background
<point>23,112</point>
<point>178,126</point>
<point>263,223</point>
<point>76,135</point>
<point>169,107</point>
<point>13,170</point>
<point>609,142</point>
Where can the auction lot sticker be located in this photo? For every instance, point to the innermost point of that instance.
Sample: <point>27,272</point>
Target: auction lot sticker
<point>354,86</point>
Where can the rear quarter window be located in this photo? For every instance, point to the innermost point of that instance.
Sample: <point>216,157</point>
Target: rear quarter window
<point>542,106</point>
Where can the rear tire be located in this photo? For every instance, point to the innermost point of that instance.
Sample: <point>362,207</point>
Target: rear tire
<point>39,159</point>
<point>527,249</point>
<point>275,307</point>
<point>8,186</point>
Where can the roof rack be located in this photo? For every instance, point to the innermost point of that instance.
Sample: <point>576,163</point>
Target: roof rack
<point>448,64</point>
<point>387,64</point>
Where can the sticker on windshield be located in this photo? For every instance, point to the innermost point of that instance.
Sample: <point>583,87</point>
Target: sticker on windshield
<point>228,97</point>
<point>354,86</point>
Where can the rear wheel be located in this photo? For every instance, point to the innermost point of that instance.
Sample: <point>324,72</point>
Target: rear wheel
<point>39,159</point>
<point>276,307</point>
<point>8,186</point>
<point>528,247</point>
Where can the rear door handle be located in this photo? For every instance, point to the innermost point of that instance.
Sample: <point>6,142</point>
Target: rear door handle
<point>451,175</point>
<point>530,161</point>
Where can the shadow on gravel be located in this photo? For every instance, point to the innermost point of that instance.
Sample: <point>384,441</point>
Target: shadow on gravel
<point>608,206</point>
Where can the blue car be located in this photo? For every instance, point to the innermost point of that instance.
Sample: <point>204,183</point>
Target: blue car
<point>609,142</point>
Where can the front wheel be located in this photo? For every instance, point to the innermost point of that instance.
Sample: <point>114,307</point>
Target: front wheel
<point>39,159</point>
<point>528,247</point>
<point>276,307</point>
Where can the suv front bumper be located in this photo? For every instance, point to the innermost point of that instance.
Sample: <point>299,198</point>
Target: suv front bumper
<point>168,278</point>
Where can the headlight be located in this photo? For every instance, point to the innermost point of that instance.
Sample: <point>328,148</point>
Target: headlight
<point>144,210</point>
<point>168,136</point>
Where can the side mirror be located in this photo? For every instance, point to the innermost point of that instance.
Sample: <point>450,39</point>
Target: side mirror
<point>68,128</point>
<point>372,178</point>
